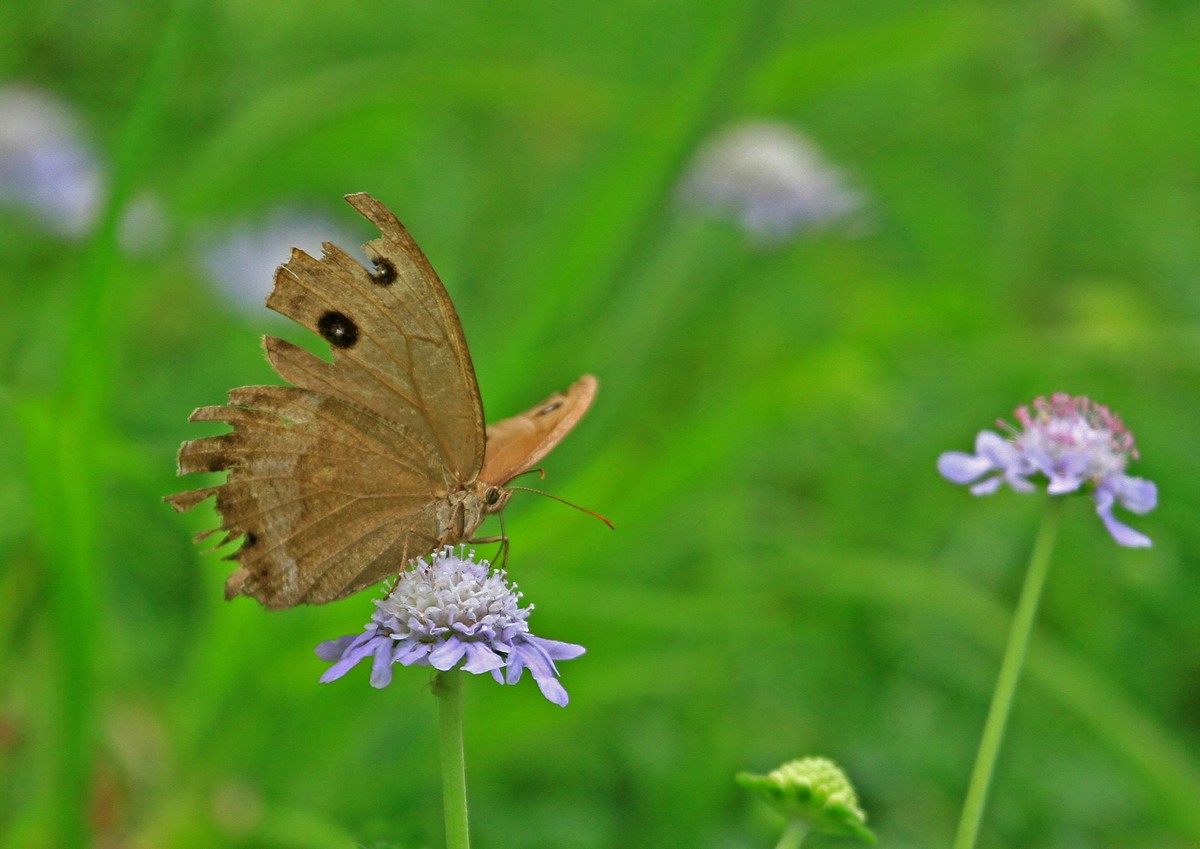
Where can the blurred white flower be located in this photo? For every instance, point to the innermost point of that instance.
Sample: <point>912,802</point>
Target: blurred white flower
<point>241,258</point>
<point>46,167</point>
<point>770,179</point>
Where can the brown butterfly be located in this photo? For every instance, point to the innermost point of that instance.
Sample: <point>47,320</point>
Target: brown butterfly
<point>376,457</point>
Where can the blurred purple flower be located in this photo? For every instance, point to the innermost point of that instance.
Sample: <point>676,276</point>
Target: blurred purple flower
<point>46,167</point>
<point>445,611</point>
<point>241,259</point>
<point>770,179</point>
<point>1070,440</point>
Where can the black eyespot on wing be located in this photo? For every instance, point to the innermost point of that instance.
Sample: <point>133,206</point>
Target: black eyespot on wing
<point>250,539</point>
<point>549,408</point>
<point>337,329</point>
<point>385,273</point>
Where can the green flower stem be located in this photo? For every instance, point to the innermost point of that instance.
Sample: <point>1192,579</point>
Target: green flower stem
<point>447,686</point>
<point>793,835</point>
<point>1010,673</point>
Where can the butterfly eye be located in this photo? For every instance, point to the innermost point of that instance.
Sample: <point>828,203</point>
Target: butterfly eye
<point>491,496</point>
<point>385,273</point>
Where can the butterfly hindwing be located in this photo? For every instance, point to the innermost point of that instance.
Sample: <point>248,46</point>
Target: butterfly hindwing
<point>516,444</point>
<point>323,499</point>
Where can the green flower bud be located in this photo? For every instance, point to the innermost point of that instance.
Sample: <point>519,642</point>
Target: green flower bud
<point>814,791</point>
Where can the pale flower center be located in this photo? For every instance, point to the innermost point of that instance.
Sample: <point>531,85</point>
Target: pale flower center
<point>450,593</point>
<point>1066,428</point>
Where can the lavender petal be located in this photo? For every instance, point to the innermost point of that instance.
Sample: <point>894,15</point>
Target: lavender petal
<point>514,664</point>
<point>414,653</point>
<point>1018,483</point>
<point>446,655</point>
<point>381,669</point>
<point>480,658</point>
<point>987,487</point>
<point>332,650</point>
<point>960,467</point>
<point>1121,532</point>
<point>555,649</point>
<point>541,667</point>
<point>1136,494</point>
<point>551,689</point>
<point>1002,453</point>
<point>353,655</point>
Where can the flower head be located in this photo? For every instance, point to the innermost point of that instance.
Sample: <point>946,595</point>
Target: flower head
<point>815,791</point>
<point>447,610</point>
<point>768,177</point>
<point>1070,440</point>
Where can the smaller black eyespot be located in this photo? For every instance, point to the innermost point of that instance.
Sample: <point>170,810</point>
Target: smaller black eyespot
<point>385,273</point>
<point>250,539</point>
<point>549,408</point>
<point>491,496</point>
<point>337,329</point>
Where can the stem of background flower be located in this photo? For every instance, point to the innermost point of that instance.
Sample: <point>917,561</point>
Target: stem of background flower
<point>793,835</point>
<point>1010,673</point>
<point>447,687</point>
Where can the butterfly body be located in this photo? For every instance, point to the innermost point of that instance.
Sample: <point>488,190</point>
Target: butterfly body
<point>375,457</point>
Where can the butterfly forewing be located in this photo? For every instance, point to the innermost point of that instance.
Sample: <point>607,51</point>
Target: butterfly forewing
<point>398,348</point>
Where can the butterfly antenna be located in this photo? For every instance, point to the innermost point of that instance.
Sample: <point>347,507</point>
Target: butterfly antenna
<point>541,472</point>
<point>568,503</point>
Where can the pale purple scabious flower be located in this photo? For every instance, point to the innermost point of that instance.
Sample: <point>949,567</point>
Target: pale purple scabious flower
<point>1070,440</point>
<point>770,179</point>
<point>46,165</point>
<point>446,610</point>
<point>49,169</point>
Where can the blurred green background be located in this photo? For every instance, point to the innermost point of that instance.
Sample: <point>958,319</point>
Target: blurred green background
<point>788,576</point>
